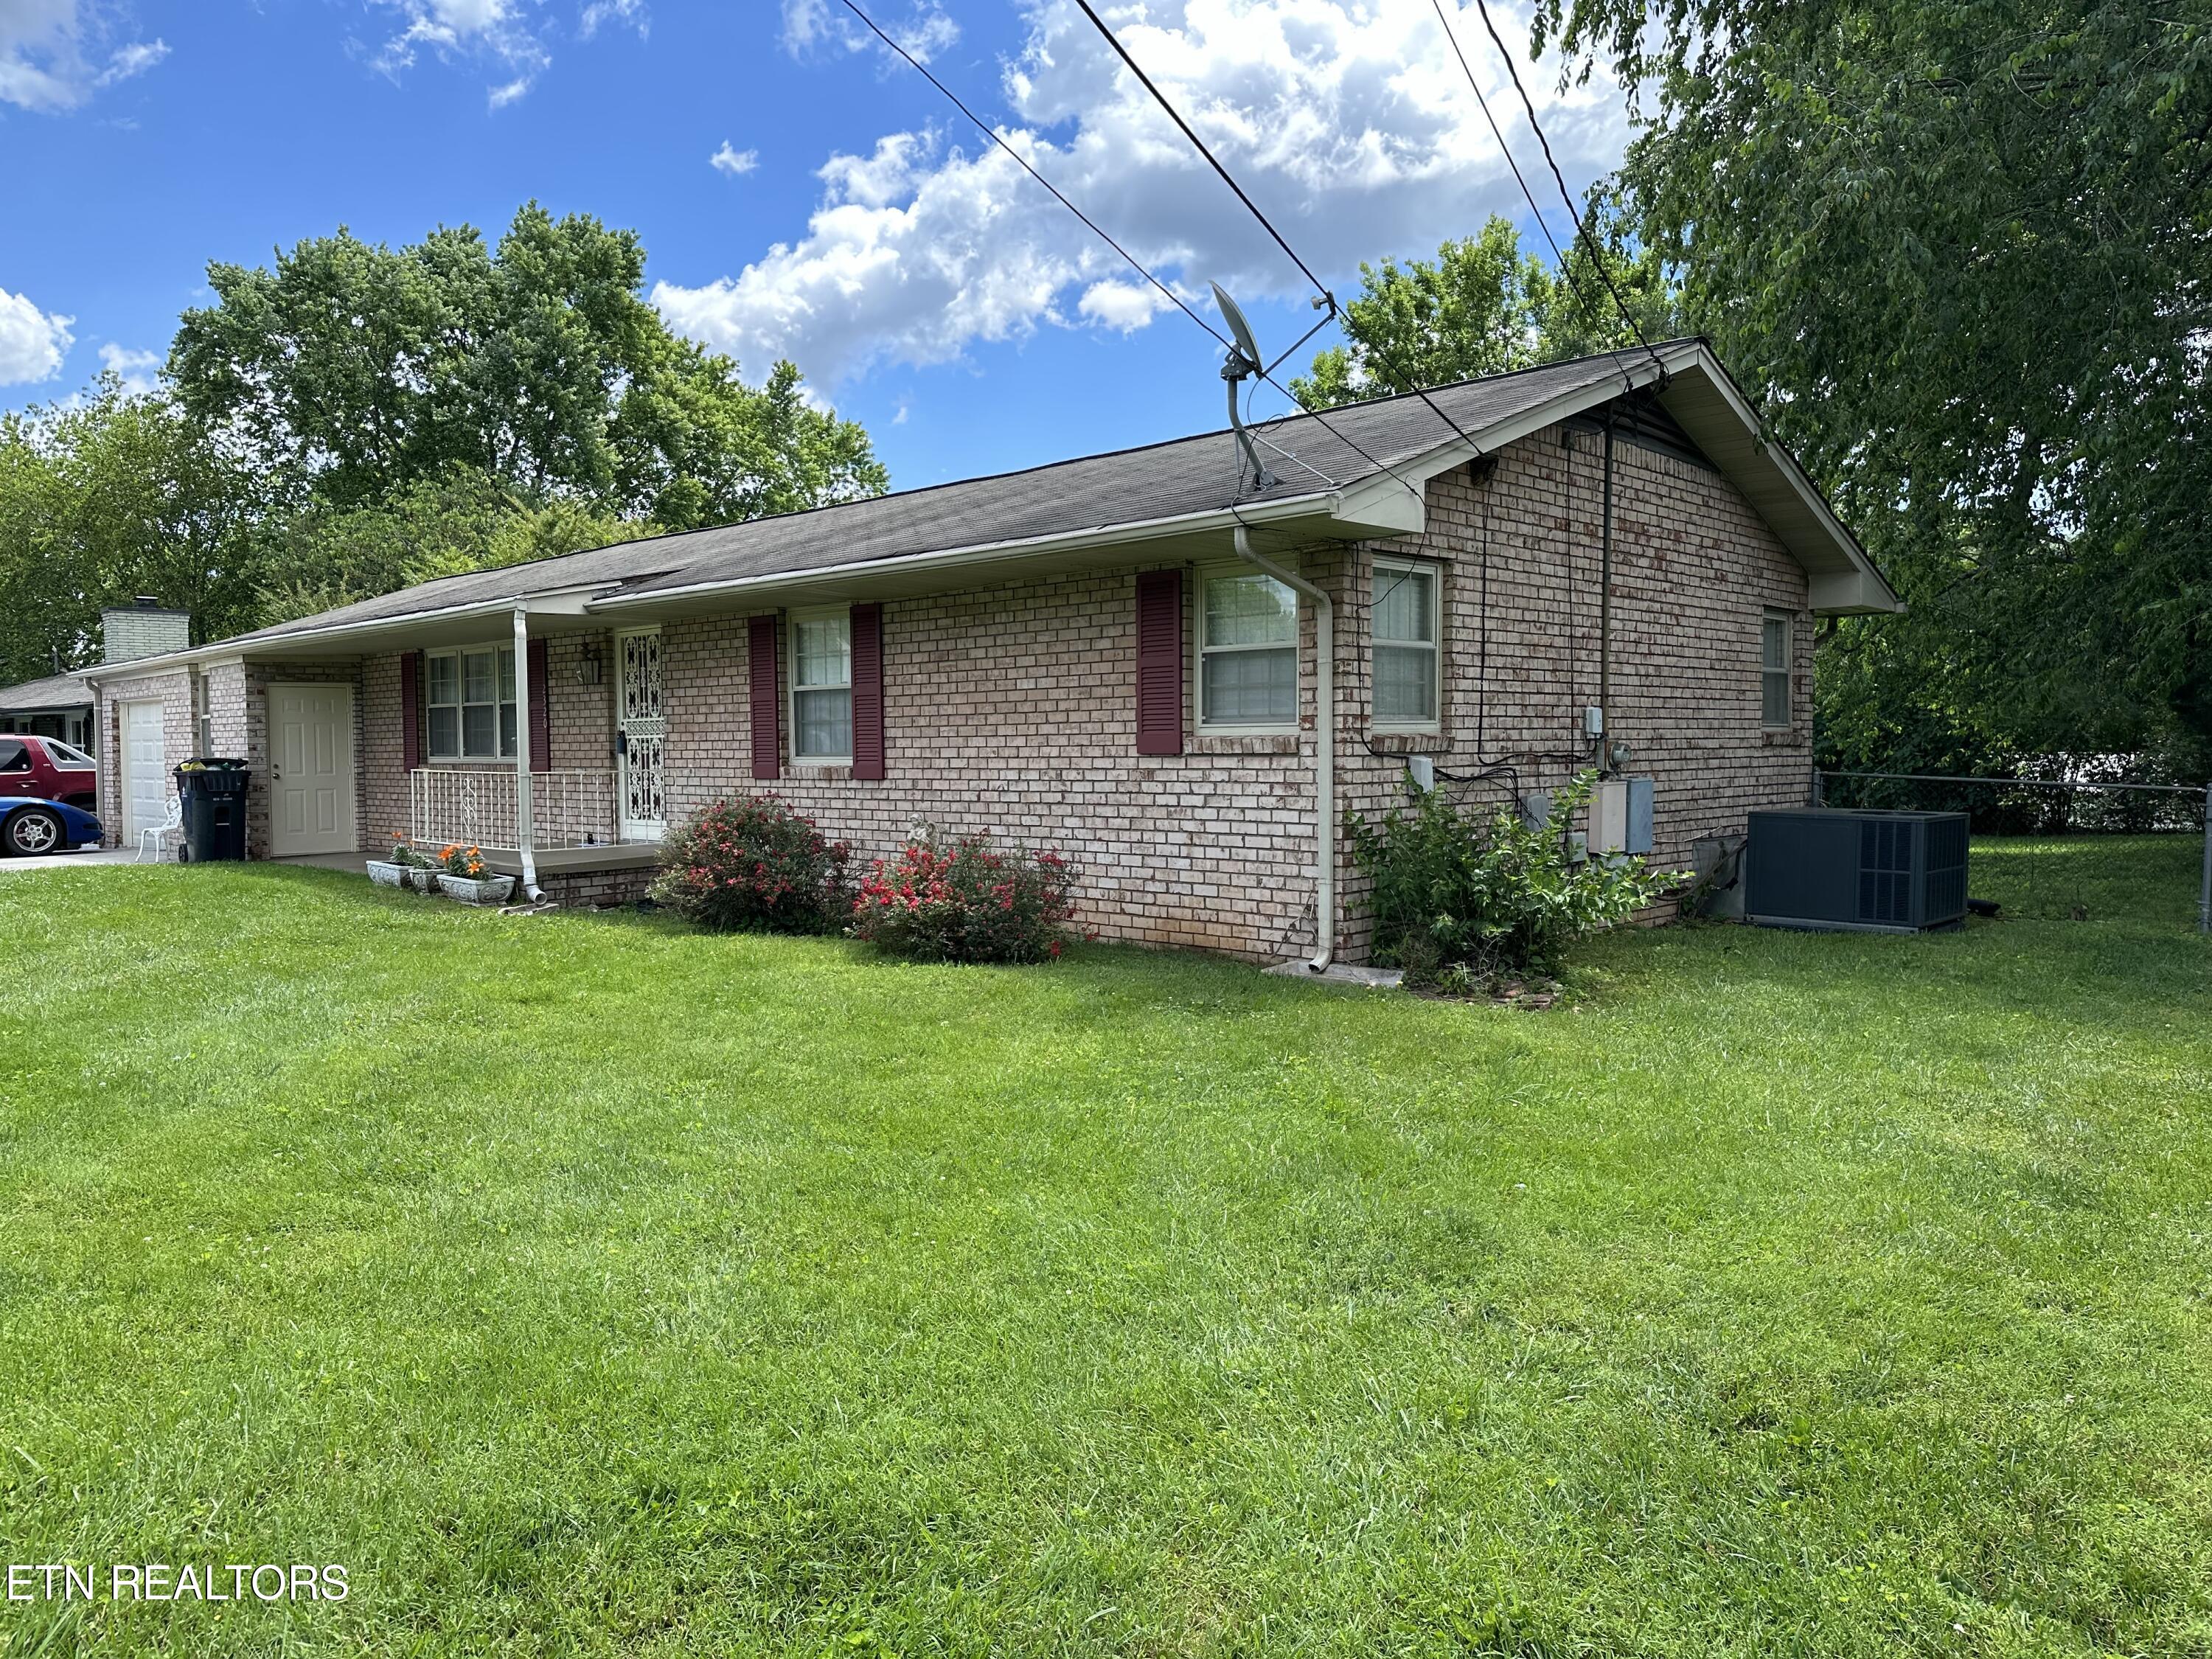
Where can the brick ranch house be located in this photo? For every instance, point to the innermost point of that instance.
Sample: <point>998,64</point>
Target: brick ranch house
<point>1099,655</point>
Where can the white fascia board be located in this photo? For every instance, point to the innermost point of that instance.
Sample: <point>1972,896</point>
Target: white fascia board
<point>1852,593</point>
<point>1385,505</point>
<point>558,602</point>
<point>1319,508</point>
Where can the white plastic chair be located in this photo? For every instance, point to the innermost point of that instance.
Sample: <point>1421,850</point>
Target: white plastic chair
<point>161,833</point>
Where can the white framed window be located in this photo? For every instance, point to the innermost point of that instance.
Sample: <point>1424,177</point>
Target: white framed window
<point>471,703</point>
<point>822,687</point>
<point>1248,652</point>
<point>1776,630</point>
<point>1405,620</point>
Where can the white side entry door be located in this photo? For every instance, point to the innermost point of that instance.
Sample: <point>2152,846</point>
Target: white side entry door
<point>145,778</point>
<point>310,783</point>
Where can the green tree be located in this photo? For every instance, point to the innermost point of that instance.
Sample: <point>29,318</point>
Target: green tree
<point>462,520</point>
<point>112,496</point>
<point>1961,255</point>
<point>1484,307</point>
<point>350,371</point>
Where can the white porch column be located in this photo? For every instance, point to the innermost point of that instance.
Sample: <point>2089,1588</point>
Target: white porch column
<point>525,831</point>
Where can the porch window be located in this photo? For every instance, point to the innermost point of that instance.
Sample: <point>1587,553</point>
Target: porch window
<point>822,688</point>
<point>472,704</point>
<point>1775,632</point>
<point>1406,645</point>
<point>1247,653</point>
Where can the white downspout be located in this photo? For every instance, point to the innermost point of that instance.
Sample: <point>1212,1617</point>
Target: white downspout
<point>525,831</point>
<point>1324,749</point>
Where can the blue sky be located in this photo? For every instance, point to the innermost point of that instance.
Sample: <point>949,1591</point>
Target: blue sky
<point>854,222</point>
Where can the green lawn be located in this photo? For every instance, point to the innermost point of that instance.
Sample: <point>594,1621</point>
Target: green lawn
<point>586,1285</point>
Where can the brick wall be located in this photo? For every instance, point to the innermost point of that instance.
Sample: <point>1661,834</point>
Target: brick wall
<point>258,677</point>
<point>172,690</point>
<point>1694,572</point>
<point>580,718</point>
<point>1012,708</point>
<point>383,754</point>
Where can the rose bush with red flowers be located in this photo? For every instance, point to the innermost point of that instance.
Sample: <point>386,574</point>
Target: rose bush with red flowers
<point>965,901</point>
<point>753,863</point>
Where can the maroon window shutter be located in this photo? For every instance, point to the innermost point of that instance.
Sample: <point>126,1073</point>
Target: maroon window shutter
<point>541,718</point>
<point>1159,662</point>
<point>767,740</point>
<point>867,691</point>
<point>410,710</point>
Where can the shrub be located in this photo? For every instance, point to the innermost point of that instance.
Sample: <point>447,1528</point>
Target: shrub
<point>1460,900</point>
<point>964,901</point>
<point>753,863</point>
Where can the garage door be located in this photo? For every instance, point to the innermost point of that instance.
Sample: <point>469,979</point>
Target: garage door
<point>145,776</point>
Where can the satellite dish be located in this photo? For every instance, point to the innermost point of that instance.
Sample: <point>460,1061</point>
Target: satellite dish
<point>1239,330</point>
<point>1243,360</point>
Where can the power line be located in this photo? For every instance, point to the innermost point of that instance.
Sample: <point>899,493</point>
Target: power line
<point>991,133</point>
<point>1199,145</point>
<point>1597,258</point>
<point>1412,381</point>
<point>1507,150</point>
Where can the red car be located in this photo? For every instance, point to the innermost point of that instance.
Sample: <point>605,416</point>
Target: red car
<point>46,769</point>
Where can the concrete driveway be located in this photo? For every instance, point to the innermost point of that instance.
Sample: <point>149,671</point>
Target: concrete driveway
<point>70,860</point>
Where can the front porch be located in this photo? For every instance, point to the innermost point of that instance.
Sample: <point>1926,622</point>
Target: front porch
<point>606,874</point>
<point>479,806</point>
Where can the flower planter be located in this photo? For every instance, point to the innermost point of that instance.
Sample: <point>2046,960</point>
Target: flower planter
<point>381,874</point>
<point>480,890</point>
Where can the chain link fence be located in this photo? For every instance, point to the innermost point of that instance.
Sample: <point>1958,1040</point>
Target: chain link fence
<point>2064,848</point>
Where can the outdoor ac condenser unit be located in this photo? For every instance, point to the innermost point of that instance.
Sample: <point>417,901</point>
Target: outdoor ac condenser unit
<point>1888,873</point>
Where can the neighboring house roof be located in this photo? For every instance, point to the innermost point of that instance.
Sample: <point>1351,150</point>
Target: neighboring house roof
<point>56,691</point>
<point>1349,472</point>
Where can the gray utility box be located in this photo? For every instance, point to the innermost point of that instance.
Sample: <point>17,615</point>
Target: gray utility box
<point>1886,872</point>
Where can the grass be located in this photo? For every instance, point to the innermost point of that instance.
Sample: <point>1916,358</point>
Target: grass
<point>2155,879</point>
<point>588,1286</point>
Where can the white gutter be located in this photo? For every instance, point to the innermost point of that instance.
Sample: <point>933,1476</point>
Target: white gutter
<point>240,646</point>
<point>1324,749</point>
<point>525,831</point>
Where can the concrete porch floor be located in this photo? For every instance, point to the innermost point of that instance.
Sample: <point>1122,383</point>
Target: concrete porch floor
<point>507,861</point>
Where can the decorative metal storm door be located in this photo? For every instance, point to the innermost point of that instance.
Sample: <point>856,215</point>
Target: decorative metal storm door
<point>641,736</point>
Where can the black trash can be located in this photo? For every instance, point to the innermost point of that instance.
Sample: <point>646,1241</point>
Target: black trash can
<point>213,790</point>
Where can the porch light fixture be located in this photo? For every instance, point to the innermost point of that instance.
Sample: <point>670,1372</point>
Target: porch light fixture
<point>588,665</point>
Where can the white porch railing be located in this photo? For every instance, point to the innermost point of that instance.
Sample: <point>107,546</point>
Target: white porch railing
<point>474,806</point>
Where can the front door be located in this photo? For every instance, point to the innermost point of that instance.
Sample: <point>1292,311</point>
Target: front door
<point>311,805</point>
<point>145,779</point>
<point>641,736</point>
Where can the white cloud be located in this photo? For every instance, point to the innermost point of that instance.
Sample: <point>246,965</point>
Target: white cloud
<point>811,27</point>
<point>137,369</point>
<point>735,162</point>
<point>31,342</point>
<point>601,12</point>
<point>1125,306</point>
<point>1348,121</point>
<point>55,54</point>
<point>134,59</point>
<point>509,37</point>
